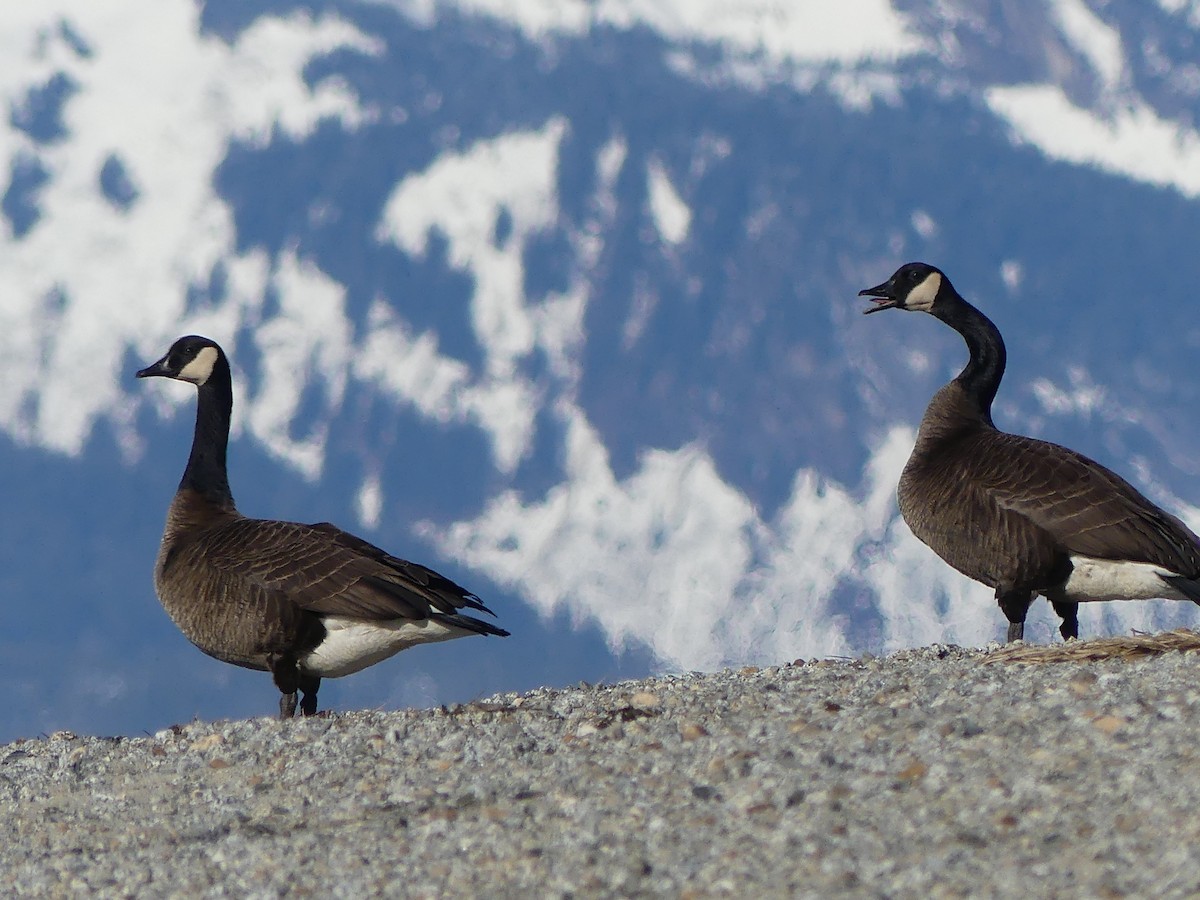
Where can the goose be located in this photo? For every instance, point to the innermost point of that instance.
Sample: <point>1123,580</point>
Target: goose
<point>1021,515</point>
<point>303,602</point>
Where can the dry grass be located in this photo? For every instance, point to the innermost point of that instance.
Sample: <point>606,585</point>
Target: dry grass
<point>1138,645</point>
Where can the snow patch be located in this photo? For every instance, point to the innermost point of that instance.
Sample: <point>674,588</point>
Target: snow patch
<point>609,163</point>
<point>654,558</point>
<point>923,224</point>
<point>1083,398</point>
<point>462,196</point>
<point>1093,39</point>
<point>675,558</point>
<point>1012,273</point>
<point>816,31</point>
<point>1134,142</point>
<point>90,278</point>
<point>919,362</point>
<point>304,347</point>
<point>370,501</point>
<point>411,367</point>
<point>672,217</point>
<point>1191,7</point>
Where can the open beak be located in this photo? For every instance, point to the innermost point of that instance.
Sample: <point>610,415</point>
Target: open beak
<point>158,368</point>
<point>881,296</point>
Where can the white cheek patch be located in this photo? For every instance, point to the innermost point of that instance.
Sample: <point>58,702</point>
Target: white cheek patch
<point>200,368</point>
<point>922,296</point>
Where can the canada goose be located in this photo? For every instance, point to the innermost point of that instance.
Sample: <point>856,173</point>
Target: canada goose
<point>1024,516</point>
<point>303,602</point>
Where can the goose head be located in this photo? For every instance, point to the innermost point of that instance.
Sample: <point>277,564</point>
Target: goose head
<point>914,286</point>
<point>191,359</point>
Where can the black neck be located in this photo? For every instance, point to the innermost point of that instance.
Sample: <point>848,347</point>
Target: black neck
<point>205,472</point>
<point>981,377</point>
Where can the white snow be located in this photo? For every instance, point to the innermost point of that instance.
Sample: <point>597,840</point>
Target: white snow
<point>1091,37</point>
<point>305,345</point>
<point>89,279</point>
<point>463,196</point>
<point>923,224</point>
<point>1134,141</point>
<point>370,501</point>
<point>672,217</point>
<point>815,31</point>
<point>673,556</point>
<point>841,44</point>
<point>1123,133</point>
<point>1191,7</point>
<point>676,559</point>
<point>609,163</point>
<point>1082,398</point>
<point>657,558</point>
<point>1012,273</point>
<point>411,367</point>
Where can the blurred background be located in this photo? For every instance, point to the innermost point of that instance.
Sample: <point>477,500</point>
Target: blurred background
<point>559,298</point>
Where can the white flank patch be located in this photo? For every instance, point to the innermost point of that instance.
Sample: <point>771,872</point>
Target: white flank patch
<point>1103,579</point>
<point>351,644</point>
<point>672,217</point>
<point>1133,142</point>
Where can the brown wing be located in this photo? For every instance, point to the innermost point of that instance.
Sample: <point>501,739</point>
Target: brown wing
<point>452,596</point>
<point>326,571</point>
<point>1085,507</point>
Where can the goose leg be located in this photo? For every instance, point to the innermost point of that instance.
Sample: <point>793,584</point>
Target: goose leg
<point>287,678</point>
<point>309,684</point>
<point>1015,606</point>
<point>287,705</point>
<point>1069,613</point>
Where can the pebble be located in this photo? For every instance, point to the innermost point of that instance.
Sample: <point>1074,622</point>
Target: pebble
<point>645,700</point>
<point>920,774</point>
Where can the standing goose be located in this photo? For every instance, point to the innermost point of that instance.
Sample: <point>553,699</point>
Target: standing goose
<point>303,602</point>
<point>1024,516</point>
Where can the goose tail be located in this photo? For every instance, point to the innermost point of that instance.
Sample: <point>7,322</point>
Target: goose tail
<point>1188,588</point>
<point>470,623</point>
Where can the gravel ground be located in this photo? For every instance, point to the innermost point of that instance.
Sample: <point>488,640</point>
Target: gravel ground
<point>923,774</point>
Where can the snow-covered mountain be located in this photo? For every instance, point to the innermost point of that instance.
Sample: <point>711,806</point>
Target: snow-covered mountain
<point>558,296</point>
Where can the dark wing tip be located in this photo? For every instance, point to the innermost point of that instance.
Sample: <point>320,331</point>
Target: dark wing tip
<point>474,602</point>
<point>1186,586</point>
<point>470,623</point>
